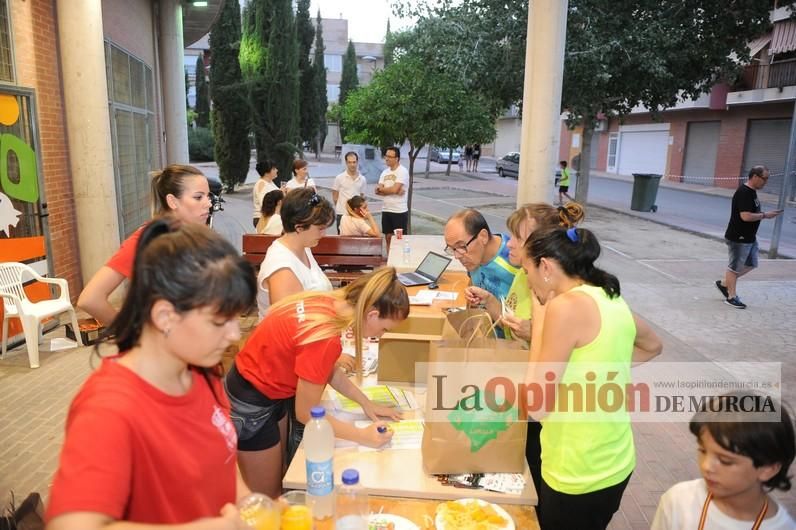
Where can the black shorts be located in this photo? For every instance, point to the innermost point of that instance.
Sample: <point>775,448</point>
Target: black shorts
<point>563,189</point>
<point>391,220</point>
<point>255,416</point>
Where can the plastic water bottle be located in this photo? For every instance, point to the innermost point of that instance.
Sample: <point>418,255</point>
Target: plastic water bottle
<point>407,255</point>
<point>352,503</point>
<point>319,450</point>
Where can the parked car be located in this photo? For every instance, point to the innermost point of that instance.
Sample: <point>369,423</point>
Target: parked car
<point>442,154</point>
<point>508,165</point>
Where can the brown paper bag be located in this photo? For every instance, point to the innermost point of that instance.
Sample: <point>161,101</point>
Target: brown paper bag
<point>458,437</point>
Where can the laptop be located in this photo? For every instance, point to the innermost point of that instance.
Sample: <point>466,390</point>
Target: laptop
<point>429,270</point>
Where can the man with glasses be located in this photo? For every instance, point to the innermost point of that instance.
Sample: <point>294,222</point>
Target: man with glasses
<point>484,254</point>
<point>347,184</point>
<point>741,234</point>
<point>392,186</point>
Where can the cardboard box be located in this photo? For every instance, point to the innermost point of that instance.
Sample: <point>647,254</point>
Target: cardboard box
<point>406,345</point>
<point>90,331</point>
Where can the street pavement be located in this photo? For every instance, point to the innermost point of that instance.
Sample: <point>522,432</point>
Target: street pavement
<point>666,276</point>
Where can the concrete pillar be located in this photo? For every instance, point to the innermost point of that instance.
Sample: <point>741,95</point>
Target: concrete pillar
<point>541,100</point>
<point>88,127</point>
<point>172,76</point>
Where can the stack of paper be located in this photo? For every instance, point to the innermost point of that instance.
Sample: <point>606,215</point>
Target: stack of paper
<point>383,395</point>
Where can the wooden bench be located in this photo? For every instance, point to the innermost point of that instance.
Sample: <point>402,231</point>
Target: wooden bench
<point>341,257</point>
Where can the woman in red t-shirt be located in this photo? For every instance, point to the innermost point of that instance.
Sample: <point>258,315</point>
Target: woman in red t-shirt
<point>179,190</point>
<point>148,436</point>
<point>288,361</point>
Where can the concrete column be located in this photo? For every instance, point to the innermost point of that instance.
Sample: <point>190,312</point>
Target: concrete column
<point>88,127</point>
<point>172,78</point>
<point>541,100</point>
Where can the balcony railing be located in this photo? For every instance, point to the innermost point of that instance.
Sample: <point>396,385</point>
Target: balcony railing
<point>775,75</point>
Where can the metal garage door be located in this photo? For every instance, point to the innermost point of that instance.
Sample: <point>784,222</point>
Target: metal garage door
<point>767,144</point>
<point>701,146</point>
<point>643,152</point>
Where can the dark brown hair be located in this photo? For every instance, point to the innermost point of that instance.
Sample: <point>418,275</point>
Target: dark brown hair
<point>302,208</point>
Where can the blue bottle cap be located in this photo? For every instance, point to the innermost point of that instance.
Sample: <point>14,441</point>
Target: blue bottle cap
<point>317,412</point>
<point>350,477</point>
<point>382,428</point>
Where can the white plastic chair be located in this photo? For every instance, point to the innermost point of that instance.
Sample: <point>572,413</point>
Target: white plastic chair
<point>17,305</point>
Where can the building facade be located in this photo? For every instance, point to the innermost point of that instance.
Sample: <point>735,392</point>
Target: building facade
<point>91,99</point>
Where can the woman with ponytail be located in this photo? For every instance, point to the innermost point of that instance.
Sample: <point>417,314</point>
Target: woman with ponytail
<point>287,362</point>
<point>515,311</point>
<point>177,190</point>
<point>149,441</point>
<point>582,333</point>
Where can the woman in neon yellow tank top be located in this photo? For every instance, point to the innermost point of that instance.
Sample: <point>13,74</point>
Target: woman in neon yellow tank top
<point>582,325</point>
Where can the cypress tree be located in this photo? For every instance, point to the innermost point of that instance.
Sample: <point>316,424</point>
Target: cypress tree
<point>389,46</point>
<point>349,80</point>
<point>321,102</point>
<point>278,124</point>
<point>202,94</point>
<point>230,108</point>
<point>253,56</point>
<point>306,33</point>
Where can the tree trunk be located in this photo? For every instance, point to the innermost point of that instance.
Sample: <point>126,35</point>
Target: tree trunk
<point>583,172</point>
<point>450,158</point>
<point>428,160</point>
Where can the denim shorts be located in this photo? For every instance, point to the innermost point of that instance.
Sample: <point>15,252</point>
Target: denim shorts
<point>742,256</point>
<point>255,416</point>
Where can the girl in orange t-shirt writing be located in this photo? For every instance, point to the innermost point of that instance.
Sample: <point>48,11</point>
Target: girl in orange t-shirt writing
<point>290,358</point>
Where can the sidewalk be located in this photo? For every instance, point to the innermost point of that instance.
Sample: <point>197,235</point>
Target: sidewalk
<point>666,276</point>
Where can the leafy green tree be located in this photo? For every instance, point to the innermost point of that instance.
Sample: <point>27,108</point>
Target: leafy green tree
<point>306,33</point>
<point>275,117</point>
<point>619,53</point>
<point>650,52</point>
<point>230,107</point>
<point>202,106</point>
<point>321,102</point>
<point>411,100</point>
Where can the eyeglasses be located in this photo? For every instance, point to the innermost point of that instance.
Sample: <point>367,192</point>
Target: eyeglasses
<point>461,249</point>
<point>390,156</point>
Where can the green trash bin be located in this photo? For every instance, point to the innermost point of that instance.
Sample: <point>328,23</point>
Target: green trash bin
<point>645,191</point>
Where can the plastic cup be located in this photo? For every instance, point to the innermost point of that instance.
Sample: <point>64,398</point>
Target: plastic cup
<point>399,233</point>
<point>259,512</point>
<point>296,511</point>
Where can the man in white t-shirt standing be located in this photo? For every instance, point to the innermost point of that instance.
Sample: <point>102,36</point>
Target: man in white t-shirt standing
<point>393,185</point>
<point>347,184</point>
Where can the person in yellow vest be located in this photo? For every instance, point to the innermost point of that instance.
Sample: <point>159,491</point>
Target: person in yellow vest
<point>582,333</point>
<point>563,183</point>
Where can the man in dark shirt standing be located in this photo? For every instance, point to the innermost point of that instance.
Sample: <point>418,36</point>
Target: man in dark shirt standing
<point>741,233</point>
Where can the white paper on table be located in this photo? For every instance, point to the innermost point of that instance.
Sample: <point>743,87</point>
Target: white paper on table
<point>407,434</point>
<point>417,300</point>
<point>449,296</point>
